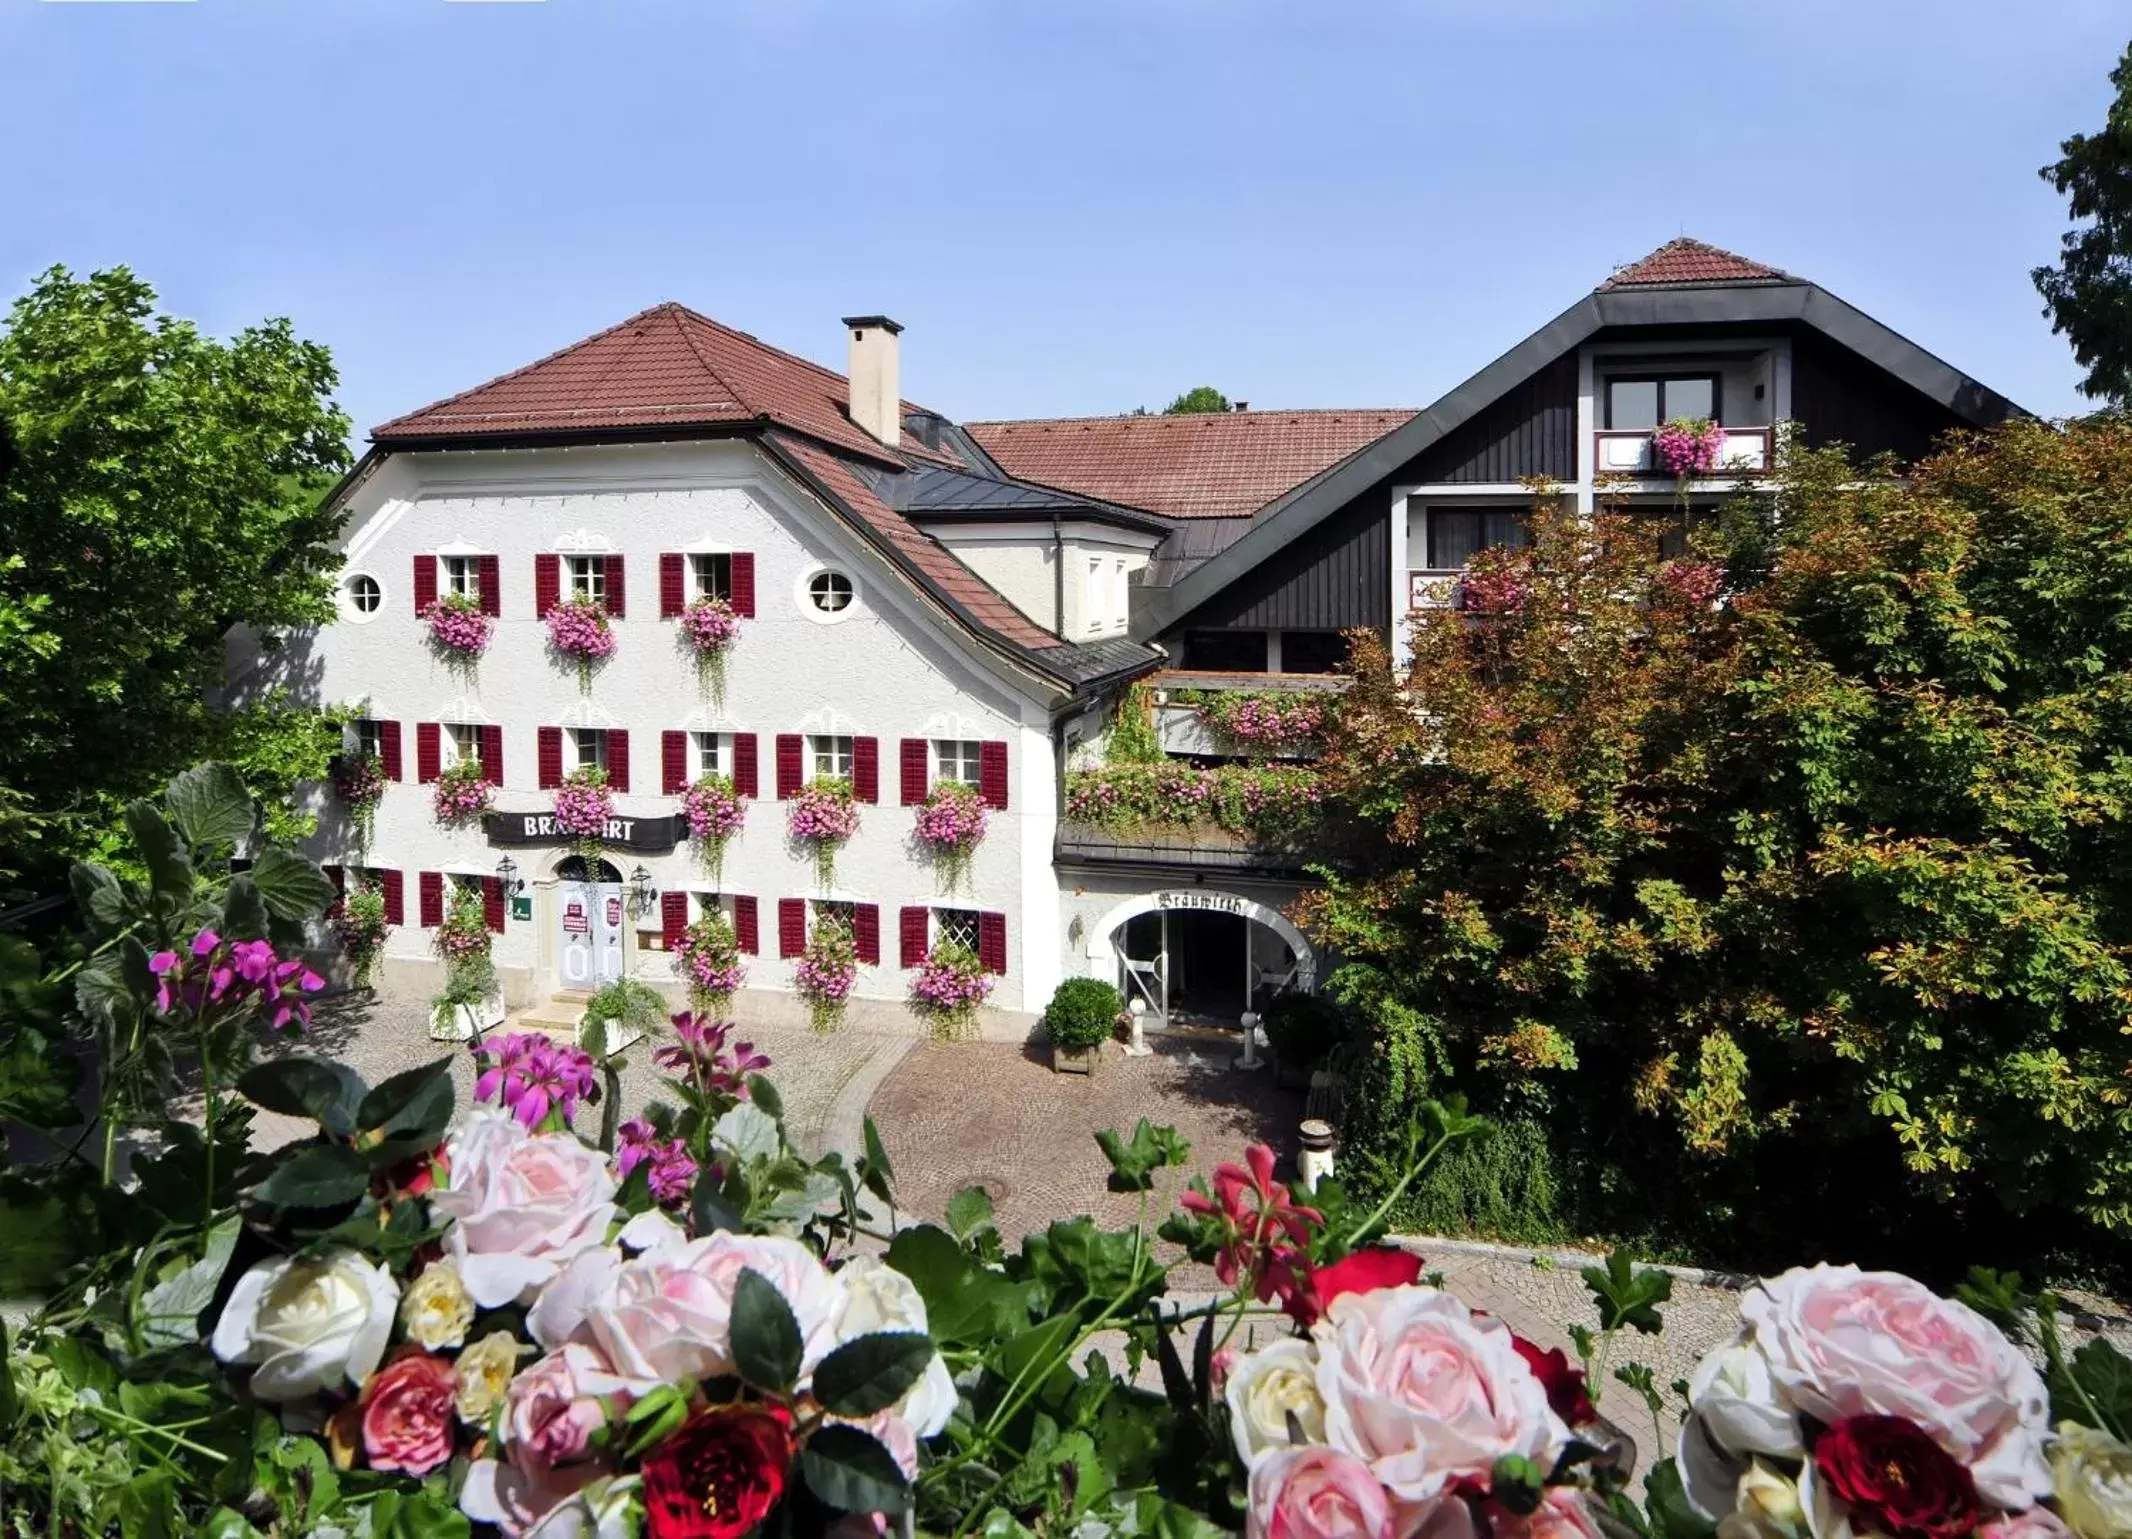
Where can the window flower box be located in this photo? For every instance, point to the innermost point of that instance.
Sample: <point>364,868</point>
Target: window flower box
<point>580,631</point>
<point>824,816</point>
<point>949,827</point>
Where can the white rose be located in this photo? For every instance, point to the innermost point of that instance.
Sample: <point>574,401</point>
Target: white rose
<point>523,1205</point>
<point>1741,1406</point>
<point>1423,1390</point>
<point>308,1324</point>
<point>1765,1506</point>
<point>436,1311</point>
<point>2094,1482</point>
<point>1265,1389</point>
<point>873,1296</point>
<point>1841,1342</point>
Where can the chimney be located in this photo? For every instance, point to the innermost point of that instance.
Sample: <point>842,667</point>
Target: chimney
<point>876,397</point>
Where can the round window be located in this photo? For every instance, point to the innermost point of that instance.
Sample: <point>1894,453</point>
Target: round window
<point>364,594</point>
<point>829,592</point>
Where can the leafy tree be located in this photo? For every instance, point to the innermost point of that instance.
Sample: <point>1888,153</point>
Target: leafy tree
<point>1784,884</point>
<point>1200,398</point>
<point>159,489</point>
<point>2088,296</point>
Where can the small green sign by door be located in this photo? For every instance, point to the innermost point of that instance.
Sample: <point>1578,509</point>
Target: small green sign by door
<point>522,906</point>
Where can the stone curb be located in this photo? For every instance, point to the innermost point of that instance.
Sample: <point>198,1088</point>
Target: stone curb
<point>842,1126</point>
<point>1706,1277</point>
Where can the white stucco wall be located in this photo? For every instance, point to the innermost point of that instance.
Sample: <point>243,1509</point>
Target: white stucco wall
<point>887,667</point>
<point>1021,561</point>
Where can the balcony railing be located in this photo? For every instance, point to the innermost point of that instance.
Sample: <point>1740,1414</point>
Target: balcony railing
<point>1741,451</point>
<point>1262,715</point>
<point>1262,817</point>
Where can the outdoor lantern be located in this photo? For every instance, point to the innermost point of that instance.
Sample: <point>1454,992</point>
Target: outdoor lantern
<point>640,892</point>
<point>507,873</point>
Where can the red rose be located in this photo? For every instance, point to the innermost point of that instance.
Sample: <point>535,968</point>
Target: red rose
<point>1365,1271</point>
<point>720,1474</point>
<point>407,1414</point>
<point>1564,1384</point>
<point>1896,1480</point>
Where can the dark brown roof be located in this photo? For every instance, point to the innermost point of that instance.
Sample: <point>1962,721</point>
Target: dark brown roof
<point>1685,261</point>
<point>1210,465</point>
<point>667,367</point>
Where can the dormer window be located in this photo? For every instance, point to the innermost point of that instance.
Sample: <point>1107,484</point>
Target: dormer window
<point>1646,400</point>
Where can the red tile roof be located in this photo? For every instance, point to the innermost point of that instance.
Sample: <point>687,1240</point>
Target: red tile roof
<point>667,367</point>
<point>1211,465</point>
<point>1691,261</point>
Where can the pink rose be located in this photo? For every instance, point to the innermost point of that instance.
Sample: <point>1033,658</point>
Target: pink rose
<point>1316,1493</point>
<point>1562,1514</point>
<point>2036,1523</point>
<point>553,1408</point>
<point>1424,1391</point>
<point>523,1205</point>
<point>1840,1342</point>
<point>548,1503</point>
<point>407,1414</point>
<point>667,1315</point>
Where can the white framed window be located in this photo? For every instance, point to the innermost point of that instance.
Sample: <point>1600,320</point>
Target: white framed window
<point>1457,535</point>
<point>701,905</point>
<point>361,596</point>
<point>956,759</point>
<point>819,909</point>
<point>461,882</point>
<point>461,575</point>
<point>1094,598</point>
<point>829,755</point>
<point>1121,593</point>
<point>955,926</point>
<point>588,747</point>
<point>830,592</point>
<point>711,753</point>
<point>366,738</point>
<point>461,743</point>
<point>710,575</point>
<point>588,577</point>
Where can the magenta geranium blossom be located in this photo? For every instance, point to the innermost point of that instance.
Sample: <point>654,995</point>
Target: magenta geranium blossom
<point>533,1077</point>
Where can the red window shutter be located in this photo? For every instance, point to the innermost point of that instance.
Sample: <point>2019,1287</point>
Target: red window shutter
<point>744,776</point>
<point>425,582</point>
<point>394,889</point>
<point>866,933</point>
<point>866,769</point>
<point>429,751</point>
<point>791,926</point>
<point>616,599</point>
<point>551,758</point>
<point>492,902</point>
<point>617,759</point>
<point>673,584</point>
<point>492,755</point>
<point>992,775</point>
<point>915,927</point>
<point>790,777</point>
<point>430,887</point>
<point>489,572</point>
<point>917,767</point>
<point>992,942</point>
<point>673,762</point>
<point>746,933</point>
<point>389,748</point>
<point>547,584</point>
<point>743,599</point>
<point>673,918</point>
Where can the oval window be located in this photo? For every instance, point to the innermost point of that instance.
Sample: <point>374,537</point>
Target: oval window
<point>829,592</point>
<point>364,594</point>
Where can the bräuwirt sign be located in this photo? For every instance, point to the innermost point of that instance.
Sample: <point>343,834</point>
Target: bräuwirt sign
<point>650,836</point>
<point>1219,902</point>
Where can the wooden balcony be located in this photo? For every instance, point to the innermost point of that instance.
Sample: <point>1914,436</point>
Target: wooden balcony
<point>1744,451</point>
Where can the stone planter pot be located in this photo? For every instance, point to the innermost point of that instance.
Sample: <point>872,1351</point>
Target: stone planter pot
<point>462,1023</point>
<point>1074,1060</point>
<point>617,1036</point>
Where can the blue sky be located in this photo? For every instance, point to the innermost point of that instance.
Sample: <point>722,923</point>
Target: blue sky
<point>1072,207</point>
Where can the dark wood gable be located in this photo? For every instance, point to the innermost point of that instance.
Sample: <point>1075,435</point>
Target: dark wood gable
<point>1529,431</point>
<point>1839,397</point>
<point>1336,576</point>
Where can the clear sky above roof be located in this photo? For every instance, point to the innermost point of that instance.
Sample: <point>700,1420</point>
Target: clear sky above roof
<point>1074,208</point>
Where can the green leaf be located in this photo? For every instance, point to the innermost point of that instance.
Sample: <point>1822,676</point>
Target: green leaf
<point>319,1089</point>
<point>1667,1503</point>
<point>161,851</point>
<point>764,1094</point>
<point>849,1470</point>
<point>170,1312</point>
<point>321,1176</point>
<point>872,1372</point>
<point>969,1211</point>
<point>965,1303</point>
<point>244,912</point>
<point>293,887</point>
<point>98,894</point>
<point>766,1337</point>
<point>1627,1296</point>
<point>210,805</point>
<point>749,1133</point>
<point>2095,1388</point>
<point>147,1507</point>
<point>1132,1165</point>
<point>709,1209</point>
<point>876,1174</point>
<point>134,968</point>
<point>406,1114</point>
<point>7,1383</point>
<point>223,1523</point>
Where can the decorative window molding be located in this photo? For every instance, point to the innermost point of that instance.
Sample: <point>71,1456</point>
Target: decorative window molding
<point>583,541</point>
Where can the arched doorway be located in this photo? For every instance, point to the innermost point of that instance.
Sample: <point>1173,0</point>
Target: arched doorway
<point>589,914</point>
<point>1199,955</point>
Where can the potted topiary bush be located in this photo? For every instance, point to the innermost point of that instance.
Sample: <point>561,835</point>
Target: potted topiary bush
<point>1302,1030</point>
<point>1080,1019</point>
<point>619,1015</point>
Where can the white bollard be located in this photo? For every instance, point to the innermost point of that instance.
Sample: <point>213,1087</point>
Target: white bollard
<point>1136,1046</point>
<point>1250,1058</point>
<point>1315,1163</point>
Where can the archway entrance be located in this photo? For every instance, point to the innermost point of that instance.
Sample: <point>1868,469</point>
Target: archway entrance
<point>588,910</point>
<point>1199,956</point>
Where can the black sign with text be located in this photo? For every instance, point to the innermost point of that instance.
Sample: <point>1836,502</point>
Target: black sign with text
<point>649,836</point>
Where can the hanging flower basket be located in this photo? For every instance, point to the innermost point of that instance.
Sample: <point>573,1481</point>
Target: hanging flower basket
<point>458,631</point>
<point>470,1001</point>
<point>461,794</point>
<point>359,782</point>
<point>1687,446</point>
<point>710,626</point>
<point>826,971</point>
<point>715,814</point>
<point>950,825</point>
<point>823,816</point>
<point>710,964</point>
<point>359,923</point>
<point>580,631</point>
<point>583,807</point>
<point>948,988</point>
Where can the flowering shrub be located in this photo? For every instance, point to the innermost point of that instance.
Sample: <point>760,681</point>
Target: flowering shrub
<point>715,813</point>
<point>709,627</point>
<point>710,962</point>
<point>1255,801</point>
<point>825,972</point>
<point>949,827</point>
<point>580,631</point>
<point>461,793</point>
<point>359,782</point>
<point>1262,722</point>
<point>1496,582</point>
<point>823,816</point>
<point>1687,446</point>
<point>1696,584</point>
<point>457,627</point>
<point>359,922</point>
<point>948,987</point>
<point>583,808</point>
